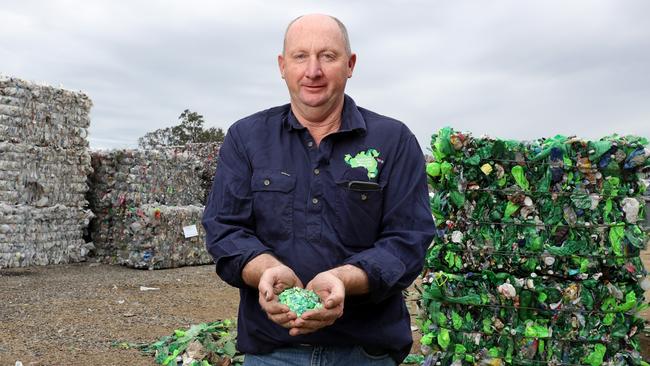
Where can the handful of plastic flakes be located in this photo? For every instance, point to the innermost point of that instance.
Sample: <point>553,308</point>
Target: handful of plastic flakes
<point>300,300</point>
<point>536,260</point>
<point>205,344</point>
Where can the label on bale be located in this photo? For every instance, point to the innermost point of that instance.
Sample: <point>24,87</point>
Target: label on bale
<point>190,231</point>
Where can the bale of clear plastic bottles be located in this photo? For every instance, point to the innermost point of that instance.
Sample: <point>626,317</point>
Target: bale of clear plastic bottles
<point>128,185</point>
<point>44,163</point>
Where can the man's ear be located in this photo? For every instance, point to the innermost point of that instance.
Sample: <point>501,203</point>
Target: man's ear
<point>281,65</point>
<point>351,62</point>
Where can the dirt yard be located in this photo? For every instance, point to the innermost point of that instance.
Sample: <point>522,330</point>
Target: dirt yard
<point>70,314</point>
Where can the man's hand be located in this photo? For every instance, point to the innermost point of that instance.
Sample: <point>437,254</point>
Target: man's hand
<point>273,281</point>
<point>331,290</point>
<point>271,277</point>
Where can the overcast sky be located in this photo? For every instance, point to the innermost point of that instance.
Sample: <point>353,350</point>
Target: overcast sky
<point>513,69</point>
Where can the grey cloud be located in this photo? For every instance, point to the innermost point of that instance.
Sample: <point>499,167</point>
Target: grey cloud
<point>511,69</point>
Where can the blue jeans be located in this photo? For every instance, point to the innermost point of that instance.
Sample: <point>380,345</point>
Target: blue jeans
<point>318,356</point>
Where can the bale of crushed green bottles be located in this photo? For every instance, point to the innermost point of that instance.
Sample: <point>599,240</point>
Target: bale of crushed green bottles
<point>205,344</point>
<point>536,258</point>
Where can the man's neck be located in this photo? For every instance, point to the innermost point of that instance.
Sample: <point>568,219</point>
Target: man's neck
<point>319,122</point>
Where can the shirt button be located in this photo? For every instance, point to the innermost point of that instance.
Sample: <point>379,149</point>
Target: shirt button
<point>310,143</point>
<point>316,171</point>
<point>267,182</point>
<point>364,197</point>
<point>314,201</point>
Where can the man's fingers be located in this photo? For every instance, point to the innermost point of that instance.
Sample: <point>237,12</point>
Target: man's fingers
<point>267,293</point>
<point>334,300</point>
<point>323,314</point>
<point>274,307</point>
<point>278,288</point>
<point>302,326</point>
<point>264,297</point>
<point>314,320</point>
<point>298,331</point>
<point>285,319</point>
<point>313,324</point>
<point>266,288</point>
<point>317,319</point>
<point>336,297</point>
<point>278,313</point>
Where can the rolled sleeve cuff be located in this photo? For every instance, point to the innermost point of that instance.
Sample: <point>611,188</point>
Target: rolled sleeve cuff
<point>384,271</point>
<point>229,267</point>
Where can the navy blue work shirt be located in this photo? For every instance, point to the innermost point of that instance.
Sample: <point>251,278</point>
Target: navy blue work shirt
<point>275,191</point>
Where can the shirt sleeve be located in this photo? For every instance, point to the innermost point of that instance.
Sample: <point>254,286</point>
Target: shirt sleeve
<point>228,217</point>
<point>407,227</point>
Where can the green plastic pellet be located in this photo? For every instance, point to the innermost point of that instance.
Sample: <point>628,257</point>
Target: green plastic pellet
<point>300,300</point>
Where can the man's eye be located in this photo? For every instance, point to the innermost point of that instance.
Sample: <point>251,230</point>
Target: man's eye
<point>300,56</point>
<point>329,57</point>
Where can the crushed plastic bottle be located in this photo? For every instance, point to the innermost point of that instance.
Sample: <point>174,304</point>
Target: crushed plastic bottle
<point>631,208</point>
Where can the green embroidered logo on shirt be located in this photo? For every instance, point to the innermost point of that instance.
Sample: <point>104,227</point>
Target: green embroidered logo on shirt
<point>364,159</point>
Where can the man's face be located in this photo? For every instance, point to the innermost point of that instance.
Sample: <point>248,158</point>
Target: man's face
<point>315,64</point>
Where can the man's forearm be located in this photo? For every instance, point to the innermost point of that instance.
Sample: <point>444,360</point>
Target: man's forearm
<point>354,279</point>
<point>255,267</point>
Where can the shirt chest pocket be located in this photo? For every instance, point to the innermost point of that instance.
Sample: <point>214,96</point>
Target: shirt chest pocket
<point>273,195</point>
<point>359,207</point>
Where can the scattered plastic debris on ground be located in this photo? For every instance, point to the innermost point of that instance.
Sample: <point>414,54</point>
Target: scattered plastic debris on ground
<point>205,344</point>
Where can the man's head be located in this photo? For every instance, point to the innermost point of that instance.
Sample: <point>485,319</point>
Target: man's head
<point>316,61</point>
<point>342,28</point>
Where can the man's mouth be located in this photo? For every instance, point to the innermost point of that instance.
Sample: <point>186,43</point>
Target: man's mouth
<point>313,87</point>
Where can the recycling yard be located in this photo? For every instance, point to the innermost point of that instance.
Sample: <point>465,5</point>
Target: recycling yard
<point>72,314</point>
<point>537,259</point>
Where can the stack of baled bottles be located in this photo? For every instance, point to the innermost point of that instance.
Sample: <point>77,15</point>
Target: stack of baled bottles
<point>536,258</point>
<point>44,161</point>
<point>149,204</point>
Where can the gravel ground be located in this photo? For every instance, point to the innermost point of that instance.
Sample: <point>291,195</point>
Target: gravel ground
<point>70,314</point>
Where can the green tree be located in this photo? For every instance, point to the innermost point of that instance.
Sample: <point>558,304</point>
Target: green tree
<point>159,137</point>
<point>190,130</point>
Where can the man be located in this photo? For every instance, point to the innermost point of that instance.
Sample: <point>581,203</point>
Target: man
<point>321,194</point>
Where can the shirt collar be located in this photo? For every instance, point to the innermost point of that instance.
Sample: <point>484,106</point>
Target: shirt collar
<point>351,119</point>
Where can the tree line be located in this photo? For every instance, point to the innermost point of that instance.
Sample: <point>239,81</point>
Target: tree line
<point>189,130</point>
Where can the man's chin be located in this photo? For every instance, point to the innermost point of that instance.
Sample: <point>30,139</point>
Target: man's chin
<point>313,102</point>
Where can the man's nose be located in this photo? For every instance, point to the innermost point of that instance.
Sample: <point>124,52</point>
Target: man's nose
<point>314,68</point>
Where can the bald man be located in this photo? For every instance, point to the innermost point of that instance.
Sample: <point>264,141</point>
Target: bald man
<point>324,195</point>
